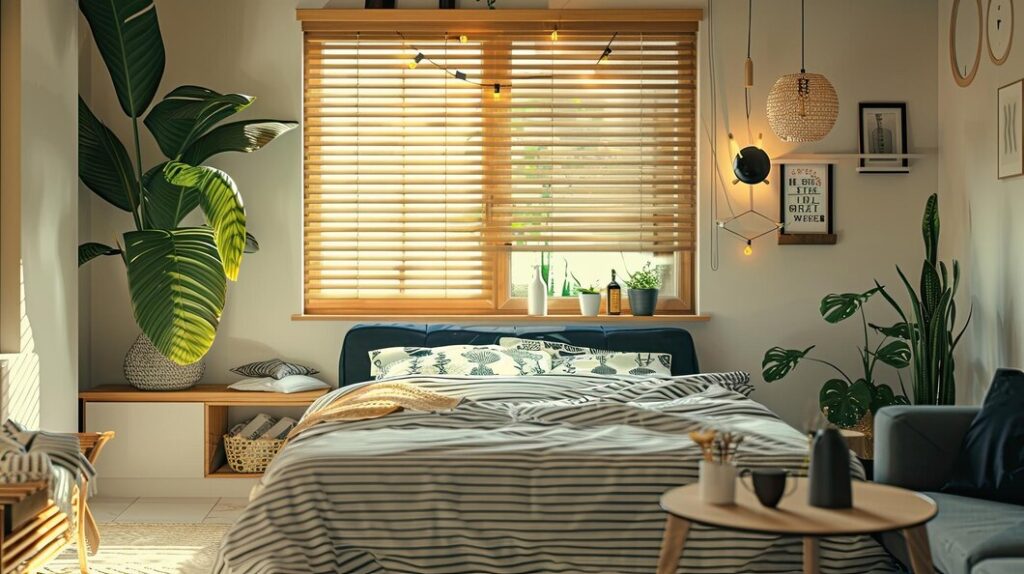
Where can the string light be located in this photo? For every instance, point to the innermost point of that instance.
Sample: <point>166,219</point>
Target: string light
<point>748,250</point>
<point>460,75</point>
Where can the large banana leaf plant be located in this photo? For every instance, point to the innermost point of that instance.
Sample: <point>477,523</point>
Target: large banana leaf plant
<point>846,400</point>
<point>933,338</point>
<point>177,275</point>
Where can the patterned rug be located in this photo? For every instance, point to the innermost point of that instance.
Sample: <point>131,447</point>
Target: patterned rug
<point>148,549</point>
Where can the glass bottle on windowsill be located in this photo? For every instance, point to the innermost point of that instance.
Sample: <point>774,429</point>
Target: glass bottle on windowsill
<point>614,297</point>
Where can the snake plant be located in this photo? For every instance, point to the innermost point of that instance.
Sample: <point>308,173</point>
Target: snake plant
<point>845,401</point>
<point>930,323</point>
<point>177,275</point>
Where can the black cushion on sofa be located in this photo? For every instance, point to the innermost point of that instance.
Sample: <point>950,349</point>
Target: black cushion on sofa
<point>991,460</point>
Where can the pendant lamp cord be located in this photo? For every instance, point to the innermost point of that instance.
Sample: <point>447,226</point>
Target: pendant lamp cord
<point>802,34</point>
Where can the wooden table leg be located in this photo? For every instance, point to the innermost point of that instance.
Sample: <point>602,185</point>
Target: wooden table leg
<point>919,550</point>
<point>672,544</point>
<point>811,555</point>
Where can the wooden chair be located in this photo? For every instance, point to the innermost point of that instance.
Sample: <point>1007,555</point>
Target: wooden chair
<point>33,541</point>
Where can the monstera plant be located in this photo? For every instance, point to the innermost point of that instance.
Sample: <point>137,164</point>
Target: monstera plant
<point>846,400</point>
<point>177,275</point>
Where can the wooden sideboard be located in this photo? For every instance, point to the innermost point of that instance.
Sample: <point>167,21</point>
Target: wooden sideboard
<point>169,440</point>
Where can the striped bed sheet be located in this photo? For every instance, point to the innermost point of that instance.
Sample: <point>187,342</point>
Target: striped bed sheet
<point>537,474</point>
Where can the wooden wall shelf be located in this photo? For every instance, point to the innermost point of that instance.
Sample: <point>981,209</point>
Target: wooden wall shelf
<point>216,400</point>
<point>506,319</point>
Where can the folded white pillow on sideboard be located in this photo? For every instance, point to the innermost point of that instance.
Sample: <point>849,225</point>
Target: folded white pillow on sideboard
<point>289,384</point>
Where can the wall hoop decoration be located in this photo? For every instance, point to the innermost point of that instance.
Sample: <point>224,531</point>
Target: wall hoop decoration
<point>966,28</point>
<point>999,30</point>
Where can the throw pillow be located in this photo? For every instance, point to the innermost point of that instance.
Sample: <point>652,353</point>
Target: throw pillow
<point>275,368</point>
<point>289,384</point>
<point>991,460</point>
<point>612,363</point>
<point>473,360</point>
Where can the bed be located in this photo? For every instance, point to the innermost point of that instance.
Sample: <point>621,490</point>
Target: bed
<point>527,474</point>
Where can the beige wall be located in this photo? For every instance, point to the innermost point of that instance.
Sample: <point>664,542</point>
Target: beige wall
<point>756,302</point>
<point>41,379</point>
<point>986,237</point>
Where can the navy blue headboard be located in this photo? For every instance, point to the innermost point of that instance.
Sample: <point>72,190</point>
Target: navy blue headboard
<point>354,365</point>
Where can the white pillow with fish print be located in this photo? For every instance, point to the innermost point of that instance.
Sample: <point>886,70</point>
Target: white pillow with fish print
<point>614,363</point>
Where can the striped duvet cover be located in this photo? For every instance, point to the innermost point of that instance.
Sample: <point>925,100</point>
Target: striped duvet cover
<point>541,474</point>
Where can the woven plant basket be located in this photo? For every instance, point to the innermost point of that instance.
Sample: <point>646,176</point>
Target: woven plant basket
<point>250,455</point>
<point>147,369</point>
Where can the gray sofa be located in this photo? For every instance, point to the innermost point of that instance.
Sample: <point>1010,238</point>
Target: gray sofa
<point>915,447</point>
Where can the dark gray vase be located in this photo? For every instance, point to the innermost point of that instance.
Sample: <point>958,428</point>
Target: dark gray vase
<point>829,474</point>
<point>642,302</point>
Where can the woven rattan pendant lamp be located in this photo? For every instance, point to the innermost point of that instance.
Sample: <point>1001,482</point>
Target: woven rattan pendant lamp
<point>802,107</point>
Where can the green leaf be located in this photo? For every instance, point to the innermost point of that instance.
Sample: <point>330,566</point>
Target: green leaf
<point>127,34</point>
<point>778,362</point>
<point>896,354</point>
<point>930,229</point>
<point>839,306</point>
<point>177,288</point>
<point>222,205</point>
<point>186,113</point>
<point>900,330</point>
<point>845,403</point>
<point>931,289</point>
<point>883,396</point>
<point>89,251</point>
<point>103,164</point>
<point>245,136</point>
<point>251,245</point>
<point>166,204</point>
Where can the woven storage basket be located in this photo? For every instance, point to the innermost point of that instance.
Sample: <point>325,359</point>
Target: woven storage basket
<point>250,455</point>
<point>147,369</point>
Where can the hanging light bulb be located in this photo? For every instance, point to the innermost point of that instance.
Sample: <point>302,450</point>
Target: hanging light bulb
<point>748,250</point>
<point>463,39</point>
<point>497,91</point>
<point>416,61</point>
<point>554,34</point>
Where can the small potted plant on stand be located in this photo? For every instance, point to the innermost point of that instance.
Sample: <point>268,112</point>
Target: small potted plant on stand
<point>643,290</point>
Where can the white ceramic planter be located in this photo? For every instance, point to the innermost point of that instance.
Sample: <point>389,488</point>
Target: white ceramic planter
<point>590,304</point>
<point>717,482</point>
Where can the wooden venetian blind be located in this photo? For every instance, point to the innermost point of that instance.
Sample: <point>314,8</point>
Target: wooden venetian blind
<point>418,183</point>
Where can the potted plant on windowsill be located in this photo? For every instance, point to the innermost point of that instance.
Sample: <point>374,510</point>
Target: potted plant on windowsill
<point>643,290</point>
<point>590,300</point>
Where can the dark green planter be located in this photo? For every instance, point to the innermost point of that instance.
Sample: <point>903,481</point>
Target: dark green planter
<point>642,302</point>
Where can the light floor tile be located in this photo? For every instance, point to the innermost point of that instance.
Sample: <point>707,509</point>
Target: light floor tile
<point>226,511</point>
<point>168,510</point>
<point>107,509</point>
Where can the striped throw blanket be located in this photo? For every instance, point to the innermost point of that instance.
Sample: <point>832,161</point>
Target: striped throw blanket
<point>27,456</point>
<point>536,474</point>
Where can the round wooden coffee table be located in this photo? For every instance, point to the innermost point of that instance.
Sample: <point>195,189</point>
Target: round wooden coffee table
<point>876,508</point>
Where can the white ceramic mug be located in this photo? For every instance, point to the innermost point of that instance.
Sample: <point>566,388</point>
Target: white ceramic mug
<point>717,482</point>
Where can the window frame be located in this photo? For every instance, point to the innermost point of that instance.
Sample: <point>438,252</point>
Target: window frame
<point>500,301</point>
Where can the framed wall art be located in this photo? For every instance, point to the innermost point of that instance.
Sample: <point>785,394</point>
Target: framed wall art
<point>1010,130</point>
<point>883,130</point>
<point>805,204</point>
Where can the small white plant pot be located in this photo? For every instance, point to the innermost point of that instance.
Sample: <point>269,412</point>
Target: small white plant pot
<point>590,304</point>
<point>717,482</point>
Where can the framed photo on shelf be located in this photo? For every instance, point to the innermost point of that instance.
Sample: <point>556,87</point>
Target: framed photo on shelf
<point>805,204</point>
<point>1010,132</point>
<point>883,130</point>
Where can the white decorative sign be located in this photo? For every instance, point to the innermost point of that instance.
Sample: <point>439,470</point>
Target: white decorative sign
<point>806,202</point>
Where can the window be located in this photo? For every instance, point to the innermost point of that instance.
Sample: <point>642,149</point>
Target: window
<point>427,193</point>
